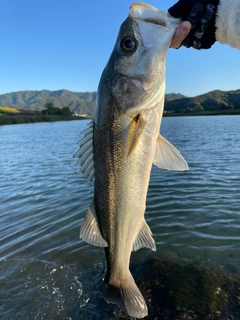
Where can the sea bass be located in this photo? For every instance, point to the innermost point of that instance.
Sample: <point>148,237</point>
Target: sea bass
<point>120,146</point>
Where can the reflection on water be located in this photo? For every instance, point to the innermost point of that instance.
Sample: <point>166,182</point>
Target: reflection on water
<point>47,272</point>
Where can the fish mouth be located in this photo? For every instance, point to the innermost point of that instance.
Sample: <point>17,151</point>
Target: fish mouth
<point>148,13</point>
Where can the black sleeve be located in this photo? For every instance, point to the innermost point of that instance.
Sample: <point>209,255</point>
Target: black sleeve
<point>202,15</point>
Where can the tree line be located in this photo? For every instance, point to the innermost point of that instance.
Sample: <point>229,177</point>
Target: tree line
<point>51,110</point>
<point>237,105</point>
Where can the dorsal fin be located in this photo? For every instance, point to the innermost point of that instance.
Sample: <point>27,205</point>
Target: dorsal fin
<point>85,154</point>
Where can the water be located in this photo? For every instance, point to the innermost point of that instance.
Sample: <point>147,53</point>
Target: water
<point>47,272</point>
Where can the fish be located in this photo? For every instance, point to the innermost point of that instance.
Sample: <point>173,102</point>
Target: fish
<point>120,145</point>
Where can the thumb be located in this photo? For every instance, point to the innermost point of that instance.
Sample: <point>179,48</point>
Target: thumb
<point>181,33</point>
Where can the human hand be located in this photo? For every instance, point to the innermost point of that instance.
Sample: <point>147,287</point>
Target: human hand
<point>181,33</point>
<point>198,27</point>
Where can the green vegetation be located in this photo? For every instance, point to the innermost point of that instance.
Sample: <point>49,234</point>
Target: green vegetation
<point>64,103</point>
<point>51,110</point>
<point>22,118</point>
<point>211,112</point>
<point>77,102</point>
<point>214,101</point>
<point>237,105</point>
<point>51,113</point>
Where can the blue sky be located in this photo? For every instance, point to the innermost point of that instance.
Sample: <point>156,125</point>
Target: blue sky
<point>55,45</point>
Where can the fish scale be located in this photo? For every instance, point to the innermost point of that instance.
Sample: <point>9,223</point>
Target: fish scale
<point>122,143</point>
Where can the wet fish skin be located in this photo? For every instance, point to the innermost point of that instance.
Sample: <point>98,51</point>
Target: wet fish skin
<point>121,144</point>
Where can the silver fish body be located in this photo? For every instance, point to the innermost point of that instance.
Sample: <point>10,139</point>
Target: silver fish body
<point>120,146</point>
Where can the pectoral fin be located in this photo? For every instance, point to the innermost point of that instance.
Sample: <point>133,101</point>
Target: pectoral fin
<point>134,134</point>
<point>144,239</point>
<point>168,157</point>
<point>90,231</point>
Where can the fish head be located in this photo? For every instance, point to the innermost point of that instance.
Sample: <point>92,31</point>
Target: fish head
<point>136,68</point>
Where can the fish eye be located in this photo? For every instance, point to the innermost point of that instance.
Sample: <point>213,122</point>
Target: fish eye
<point>128,44</point>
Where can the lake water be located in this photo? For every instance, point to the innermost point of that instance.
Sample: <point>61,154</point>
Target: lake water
<point>47,272</point>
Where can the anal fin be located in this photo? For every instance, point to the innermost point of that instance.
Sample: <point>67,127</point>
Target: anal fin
<point>144,239</point>
<point>90,231</point>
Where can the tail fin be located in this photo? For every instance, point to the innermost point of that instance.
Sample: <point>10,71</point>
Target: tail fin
<point>128,299</point>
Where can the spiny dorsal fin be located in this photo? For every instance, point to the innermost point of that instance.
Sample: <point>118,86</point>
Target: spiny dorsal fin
<point>144,239</point>
<point>90,231</point>
<point>85,154</point>
<point>168,157</point>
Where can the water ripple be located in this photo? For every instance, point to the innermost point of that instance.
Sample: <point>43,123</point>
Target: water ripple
<point>193,215</point>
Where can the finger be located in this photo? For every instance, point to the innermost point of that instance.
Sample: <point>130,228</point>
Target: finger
<point>181,33</point>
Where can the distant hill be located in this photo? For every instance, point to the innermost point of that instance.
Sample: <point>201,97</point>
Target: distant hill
<point>78,102</point>
<point>84,102</point>
<point>173,96</point>
<point>211,101</point>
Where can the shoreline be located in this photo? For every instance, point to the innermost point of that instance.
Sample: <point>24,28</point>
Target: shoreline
<point>9,119</point>
<point>203,113</point>
<point>6,119</point>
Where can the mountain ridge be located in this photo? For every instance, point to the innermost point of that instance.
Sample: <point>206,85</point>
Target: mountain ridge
<point>84,102</point>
